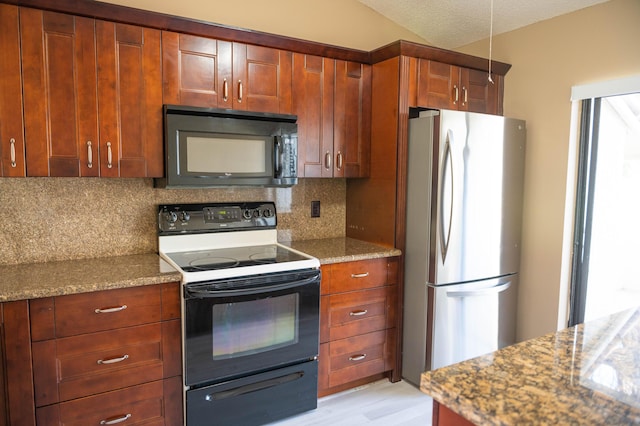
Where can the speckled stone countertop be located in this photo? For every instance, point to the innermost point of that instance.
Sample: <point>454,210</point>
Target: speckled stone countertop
<point>583,375</point>
<point>336,250</point>
<point>37,280</point>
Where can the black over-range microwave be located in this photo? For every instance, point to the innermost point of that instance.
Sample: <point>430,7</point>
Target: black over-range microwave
<point>207,147</point>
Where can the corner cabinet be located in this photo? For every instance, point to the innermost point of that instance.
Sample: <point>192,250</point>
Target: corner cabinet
<point>108,357</point>
<point>92,97</point>
<point>332,99</point>
<point>11,122</point>
<point>200,71</point>
<point>357,323</point>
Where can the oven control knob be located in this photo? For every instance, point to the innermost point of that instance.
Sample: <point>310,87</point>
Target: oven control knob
<point>184,216</point>
<point>267,213</point>
<point>246,213</point>
<point>171,217</point>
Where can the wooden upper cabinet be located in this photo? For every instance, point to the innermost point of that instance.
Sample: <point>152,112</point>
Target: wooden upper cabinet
<point>445,86</point>
<point>92,97</point>
<point>313,88</point>
<point>352,119</point>
<point>60,103</point>
<point>129,100</point>
<point>200,71</point>
<point>11,122</point>
<point>332,99</point>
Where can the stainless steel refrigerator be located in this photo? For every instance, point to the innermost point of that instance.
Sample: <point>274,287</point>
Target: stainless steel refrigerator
<point>462,255</point>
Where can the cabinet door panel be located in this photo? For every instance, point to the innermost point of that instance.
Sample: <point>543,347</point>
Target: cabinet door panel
<point>261,79</point>
<point>11,122</point>
<point>130,100</point>
<point>480,95</point>
<point>352,117</point>
<point>436,83</point>
<point>58,63</point>
<point>190,70</point>
<point>313,79</point>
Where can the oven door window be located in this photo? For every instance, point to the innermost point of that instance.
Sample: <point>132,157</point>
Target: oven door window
<point>245,328</point>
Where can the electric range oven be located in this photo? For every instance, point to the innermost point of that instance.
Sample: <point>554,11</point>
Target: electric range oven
<point>250,313</point>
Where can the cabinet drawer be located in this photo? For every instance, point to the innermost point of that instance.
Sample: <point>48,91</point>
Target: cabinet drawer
<point>142,404</point>
<point>358,312</point>
<point>358,357</point>
<point>83,365</point>
<point>349,276</point>
<point>98,311</point>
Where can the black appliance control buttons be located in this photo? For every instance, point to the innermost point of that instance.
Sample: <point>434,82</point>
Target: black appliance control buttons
<point>171,217</point>
<point>246,213</point>
<point>184,216</point>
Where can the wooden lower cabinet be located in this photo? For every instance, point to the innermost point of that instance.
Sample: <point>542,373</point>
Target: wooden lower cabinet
<point>357,323</point>
<point>108,357</point>
<point>443,416</point>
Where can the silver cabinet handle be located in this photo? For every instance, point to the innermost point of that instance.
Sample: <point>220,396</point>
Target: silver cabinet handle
<point>455,92</point>
<point>89,155</point>
<point>113,360</point>
<point>358,313</point>
<point>358,357</point>
<point>225,90</point>
<point>115,420</point>
<point>109,156</point>
<point>327,160</point>
<point>110,310</point>
<point>12,141</point>
<point>362,275</point>
<point>465,97</point>
<point>339,161</point>
<point>239,91</point>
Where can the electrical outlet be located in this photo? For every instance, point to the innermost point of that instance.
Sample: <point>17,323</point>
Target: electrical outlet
<point>315,209</point>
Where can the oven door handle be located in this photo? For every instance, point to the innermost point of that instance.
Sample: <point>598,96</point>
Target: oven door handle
<point>208,292</point>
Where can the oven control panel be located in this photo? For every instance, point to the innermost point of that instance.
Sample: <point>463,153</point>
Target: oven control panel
<point>214,217</point>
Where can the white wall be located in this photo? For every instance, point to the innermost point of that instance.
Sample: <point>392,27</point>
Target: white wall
<point>597,43</point>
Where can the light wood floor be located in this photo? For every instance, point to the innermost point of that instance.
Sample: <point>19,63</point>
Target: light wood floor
<point>379,403</point>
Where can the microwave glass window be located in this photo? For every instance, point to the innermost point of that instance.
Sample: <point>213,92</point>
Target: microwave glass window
<point>255,326</point>
<point>220,155</point>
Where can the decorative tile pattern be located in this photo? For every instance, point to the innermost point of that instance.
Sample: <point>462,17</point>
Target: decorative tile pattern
<point>583,375</point>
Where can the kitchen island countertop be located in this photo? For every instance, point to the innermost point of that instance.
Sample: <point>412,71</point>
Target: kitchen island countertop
<point>584,375</point>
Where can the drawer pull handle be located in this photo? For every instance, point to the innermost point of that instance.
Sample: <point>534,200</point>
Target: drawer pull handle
<point>358,313</point>
<point>359,357</point>
<point>113,360</point>
<point>364,274</point>
<point>110,310</point>
<point>115,420</point>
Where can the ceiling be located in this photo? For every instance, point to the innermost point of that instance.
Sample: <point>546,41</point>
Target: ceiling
<point>453,23</point>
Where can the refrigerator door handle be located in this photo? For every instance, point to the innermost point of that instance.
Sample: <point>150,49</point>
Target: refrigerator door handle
<point>445,234</point>
<point>483,292</point>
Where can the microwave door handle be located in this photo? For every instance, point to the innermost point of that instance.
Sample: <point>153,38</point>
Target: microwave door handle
<point>277,156</point>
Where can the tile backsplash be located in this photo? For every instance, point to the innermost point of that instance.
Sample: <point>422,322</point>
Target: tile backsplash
<point>46,219</point>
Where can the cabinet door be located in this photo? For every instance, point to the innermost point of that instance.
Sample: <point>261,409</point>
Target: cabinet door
<point>59,77</point>
<point>478,93</point>
<point>11,123</point>
<point>313,82</point>
<point>261,79</point>
<point>437,85</point>
<point>352,119</point>
<point>129,100</point>
<point>196,71</point>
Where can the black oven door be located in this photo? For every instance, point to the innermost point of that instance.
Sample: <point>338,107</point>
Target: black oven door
<point>239,326</point>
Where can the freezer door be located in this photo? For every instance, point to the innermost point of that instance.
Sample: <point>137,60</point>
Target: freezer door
<point>470,319</point>
<point>477,214</point>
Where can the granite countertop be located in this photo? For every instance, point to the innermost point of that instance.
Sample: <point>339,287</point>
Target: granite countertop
<point>37,280</point>
<point>336,250</point>
<point>584,375</point>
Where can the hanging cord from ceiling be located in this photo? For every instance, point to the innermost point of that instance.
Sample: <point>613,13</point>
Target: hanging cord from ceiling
<point>490,41</point>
